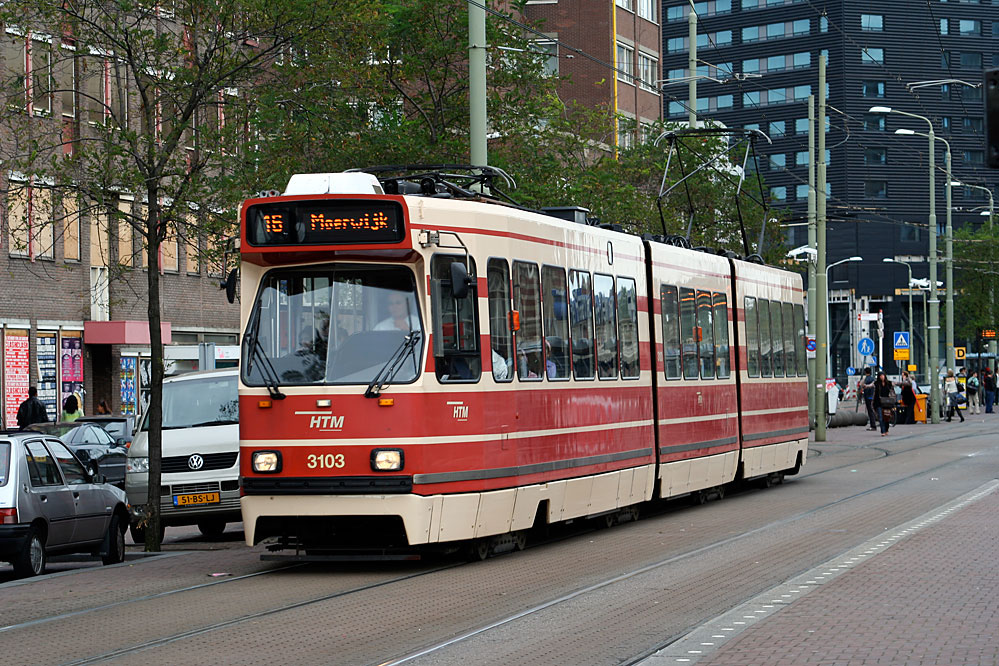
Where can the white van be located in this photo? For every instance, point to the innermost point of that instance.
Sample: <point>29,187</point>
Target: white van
<point>200,459</point>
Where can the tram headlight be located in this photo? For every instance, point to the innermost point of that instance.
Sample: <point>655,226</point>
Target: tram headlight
<point>386,460</point>
<point>266,462</point>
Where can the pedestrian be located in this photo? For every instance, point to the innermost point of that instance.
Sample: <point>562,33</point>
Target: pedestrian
<point>974,400</point>
<point>71,409</point>
<point>951,389</point>
<point>102,408</point>
<point>867,387</point>
<point>989,383</point>
<point>884,400</point>
<point>908,413</point>
<point>31,410</point>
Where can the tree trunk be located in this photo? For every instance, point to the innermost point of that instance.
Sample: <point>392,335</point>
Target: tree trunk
<point>155,422</point>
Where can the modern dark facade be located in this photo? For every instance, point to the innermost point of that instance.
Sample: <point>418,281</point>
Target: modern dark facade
<point>762,59</point>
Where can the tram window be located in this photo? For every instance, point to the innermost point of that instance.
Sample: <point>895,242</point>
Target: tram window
<point>799,325</point>
<point>671,332</point>
<point>527,301</point>
<point>705,335</point>
<point>777,354</point>
<point>500,337</point>
<point>763,312</point>
<point>581,319</point>
<point>790,354</point>
<point>722,359</point>
<point>688,335</point>
<point>606,314</point>
<point>556,322</point>
<point>627,320</point>
<point>456,350</point>
<point>752,339</point>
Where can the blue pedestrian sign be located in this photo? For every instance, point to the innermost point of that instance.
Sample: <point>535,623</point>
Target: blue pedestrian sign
<point>901,339</point>
<point>851,371</point>
<point>865,346</point>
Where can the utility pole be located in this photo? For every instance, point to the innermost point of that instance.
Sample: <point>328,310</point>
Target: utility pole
<point>477,84</point>
<point>949,259</point>
<point>692,66</point>
<point>932,371</point>
<point>812,404</point>
<point>821,290</point>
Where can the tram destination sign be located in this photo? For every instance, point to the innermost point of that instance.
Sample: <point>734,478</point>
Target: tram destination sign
<point>326,222</point>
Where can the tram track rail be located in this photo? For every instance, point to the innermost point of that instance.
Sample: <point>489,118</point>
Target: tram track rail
<point>537,608</point>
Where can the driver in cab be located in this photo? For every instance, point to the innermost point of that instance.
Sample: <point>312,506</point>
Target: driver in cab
<point>402,314</point>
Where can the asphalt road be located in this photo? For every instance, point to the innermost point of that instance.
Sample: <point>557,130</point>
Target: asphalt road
<point>588,596</point>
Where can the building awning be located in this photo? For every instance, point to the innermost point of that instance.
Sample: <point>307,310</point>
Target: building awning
<point>122,332</point>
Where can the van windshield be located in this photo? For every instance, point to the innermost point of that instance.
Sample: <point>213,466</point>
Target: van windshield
<point>4,462</point>
<point>207,401</point>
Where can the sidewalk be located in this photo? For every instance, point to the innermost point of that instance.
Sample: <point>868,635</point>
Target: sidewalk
<point>926,592</point>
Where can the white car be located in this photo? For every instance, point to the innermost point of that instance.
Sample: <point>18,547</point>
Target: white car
<point>50,503</point>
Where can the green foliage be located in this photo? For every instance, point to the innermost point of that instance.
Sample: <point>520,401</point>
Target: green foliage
<point>976,280</point>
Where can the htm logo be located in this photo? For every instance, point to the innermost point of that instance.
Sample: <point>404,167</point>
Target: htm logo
<point>460,411</point>
<point>326,422</point>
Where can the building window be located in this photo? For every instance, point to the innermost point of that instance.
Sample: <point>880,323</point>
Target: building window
<point>625,63</point>
<point>549,51</point>
<point>874,122</point>
<point>971,60</point>
<point>872,56</point>
<point>648,70</point>
<point>647,10</point>
<point>944,23</point>
<point>970,27</point>
<point>976,125</point>
<point>801,191</point>
<point>876,189</point>
<point>30,227</point>
<point>626,4</point>
<point>909,233</point>
<point>750,99</point>
<point>801,158</point>
<point>945,59</point>
<point>777,162</point>
<point>801,126</point>
<point>873,89</point>
<point>872,22</point>
<point>974,157</point>
<point>777,128</point>
<point>875,155</point>
<point>778,193</point>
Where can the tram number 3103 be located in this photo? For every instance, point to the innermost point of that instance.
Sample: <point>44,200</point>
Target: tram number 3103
<point>325,461</point>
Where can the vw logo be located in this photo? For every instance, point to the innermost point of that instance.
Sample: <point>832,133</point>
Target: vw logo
<point>195,462</point>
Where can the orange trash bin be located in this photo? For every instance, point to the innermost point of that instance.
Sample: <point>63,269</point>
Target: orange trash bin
<point>919,409</point>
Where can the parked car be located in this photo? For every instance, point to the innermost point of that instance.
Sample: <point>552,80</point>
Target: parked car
<point>119,427</point>
<point>199,457</point>
<point>93,445</point>
<point>50,503</point>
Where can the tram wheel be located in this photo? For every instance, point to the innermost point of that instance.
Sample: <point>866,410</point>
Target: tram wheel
<point>520,540</point>
<point>479,550</point>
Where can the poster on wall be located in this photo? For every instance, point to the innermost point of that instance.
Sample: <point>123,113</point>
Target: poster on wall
<point>127,384</point>
<point>71,366</point>
<point>48,373</point>
<point>16,366</point>
<point>145,381</point>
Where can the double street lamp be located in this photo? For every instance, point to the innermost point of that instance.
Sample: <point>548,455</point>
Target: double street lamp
<point>934,303</point>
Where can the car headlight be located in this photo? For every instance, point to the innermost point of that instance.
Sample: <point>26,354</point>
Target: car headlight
<point>136,465</point>
<point>386,460</point>
<point>266,462</point>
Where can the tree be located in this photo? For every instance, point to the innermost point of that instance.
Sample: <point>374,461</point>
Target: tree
<point>976,280</point>
<point>170,101</point>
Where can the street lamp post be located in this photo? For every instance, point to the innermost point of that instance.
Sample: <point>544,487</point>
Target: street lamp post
<point>828,317</point>
<point>934,302</point>
<point>906,264</point>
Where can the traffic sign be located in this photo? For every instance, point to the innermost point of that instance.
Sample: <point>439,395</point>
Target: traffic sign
<point>810,344</point>
<point>960,353</point>
<point>912,367</point>
<point>851,371</point>
<point>901,354</point>
<point>901,340</point>
<point>865,346</point>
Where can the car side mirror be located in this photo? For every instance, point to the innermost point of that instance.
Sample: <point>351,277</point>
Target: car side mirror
<point>121,442</point>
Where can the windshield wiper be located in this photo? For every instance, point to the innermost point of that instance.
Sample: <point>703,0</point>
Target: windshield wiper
<point>266,369</point>
<point>392,366</point>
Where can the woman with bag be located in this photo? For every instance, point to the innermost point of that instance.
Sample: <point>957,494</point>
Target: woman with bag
<point>974,404</point>
<point>884,400</point>
<point>953,396</point>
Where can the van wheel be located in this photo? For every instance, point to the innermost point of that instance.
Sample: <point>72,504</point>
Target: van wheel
<point>31,560</point>
<point>115,551</point>
<point>211,527</point>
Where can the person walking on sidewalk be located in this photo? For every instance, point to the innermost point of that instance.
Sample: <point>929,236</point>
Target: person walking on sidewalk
<point>973,386</point>
<point>884,400</point>
<point>989,383</point>
<point>950,387</point>
<point>907,413</point>
<point>867,387</point>
<point>31,410</point>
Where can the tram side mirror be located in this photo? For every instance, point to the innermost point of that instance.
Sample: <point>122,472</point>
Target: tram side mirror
<point>230,285</point>
<point>460,281</point>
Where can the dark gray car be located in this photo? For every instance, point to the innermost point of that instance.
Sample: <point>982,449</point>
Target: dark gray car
<point>50,503</point>
<point>99,452</point>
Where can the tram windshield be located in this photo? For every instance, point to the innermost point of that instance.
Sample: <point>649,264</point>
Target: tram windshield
<point>333,324</point>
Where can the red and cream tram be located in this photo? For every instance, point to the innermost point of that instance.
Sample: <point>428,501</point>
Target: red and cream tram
<point>427,369</point>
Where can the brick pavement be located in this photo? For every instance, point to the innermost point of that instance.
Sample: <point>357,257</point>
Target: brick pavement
<point>926,592</point>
